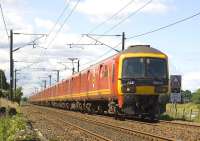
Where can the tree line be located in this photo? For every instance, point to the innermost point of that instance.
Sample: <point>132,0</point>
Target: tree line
<point>189,96</point>
<point>4,89</point>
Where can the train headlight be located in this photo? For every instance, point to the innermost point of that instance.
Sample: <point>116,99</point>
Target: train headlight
<point>161,89</point>
<point>128,86</point>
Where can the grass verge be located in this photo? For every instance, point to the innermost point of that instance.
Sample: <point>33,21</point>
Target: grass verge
<point>15,128</point>
<point>9,126</point>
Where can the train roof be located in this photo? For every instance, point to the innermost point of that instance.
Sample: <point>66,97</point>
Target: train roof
<point>130,49</point>
<point>141,48</point>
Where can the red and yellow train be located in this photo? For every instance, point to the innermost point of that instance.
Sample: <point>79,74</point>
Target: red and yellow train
<point>129,82</point>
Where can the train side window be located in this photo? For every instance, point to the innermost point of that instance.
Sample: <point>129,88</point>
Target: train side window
<point>88,75</point>
<point>104,71</point>
<point>101,71</point>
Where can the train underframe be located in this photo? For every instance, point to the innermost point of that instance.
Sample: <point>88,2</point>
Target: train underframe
<point>142,106</point>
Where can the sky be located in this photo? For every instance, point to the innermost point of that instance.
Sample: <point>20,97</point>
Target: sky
<point>77,17</point>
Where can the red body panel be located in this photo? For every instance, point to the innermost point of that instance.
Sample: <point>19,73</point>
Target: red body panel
<point>98,81</point>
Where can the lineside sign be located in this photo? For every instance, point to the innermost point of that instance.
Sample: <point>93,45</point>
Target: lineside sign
<point>175,85</point>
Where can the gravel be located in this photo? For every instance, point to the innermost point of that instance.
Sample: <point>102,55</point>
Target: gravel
<point>50,125</point>
<point>47,118</point>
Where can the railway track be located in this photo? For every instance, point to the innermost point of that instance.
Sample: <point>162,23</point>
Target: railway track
<point>181,124</point>
<point>63,124</point>
<point>167,130</point>
<point>168,123</point>
<point>133,132</point>
<point>91,134</point>
<point>144,135</point>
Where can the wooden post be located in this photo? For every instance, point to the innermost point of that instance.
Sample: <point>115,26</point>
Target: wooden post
<point>183,114</point>
<point>190,114</point>
<point>198,114</point>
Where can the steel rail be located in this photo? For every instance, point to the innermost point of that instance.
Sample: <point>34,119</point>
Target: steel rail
<point>134,132</point>
<point>97,136</point>
<point>142,134</point>
<point>93,135</point>
<point>181,124</point>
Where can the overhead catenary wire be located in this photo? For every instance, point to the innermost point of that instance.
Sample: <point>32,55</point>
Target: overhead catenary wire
<point>107,31</point>
<point>108,19</point>
<point>111,17</point>
<point>52,28</point>
<point>4,21</point>
<point>129,16</point>
<point>115,14</point>
<point>29,43</point>
<point>65,20</point>
<point>59,17</point>
<point>89,62</point>
<point>123,20</point>
<point>41,54</point>
<point>166,26</point>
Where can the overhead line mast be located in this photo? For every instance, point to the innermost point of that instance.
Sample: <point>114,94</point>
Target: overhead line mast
<point>12,60</point>
<point>111,17</point>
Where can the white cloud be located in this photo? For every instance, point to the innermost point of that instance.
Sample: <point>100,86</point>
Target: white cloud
<point>48,25</point>
<point>96,10</point>
<point>4,55</point>
<point>191,81</point>
<point>41,23</point>
<point>99,10</point>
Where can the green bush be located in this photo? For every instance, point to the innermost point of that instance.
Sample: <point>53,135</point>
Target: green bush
<point>165,117</point>
<point>196,97</point>
<point>9,126</point>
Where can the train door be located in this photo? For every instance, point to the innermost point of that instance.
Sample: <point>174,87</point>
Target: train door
<point>88,82</point>
<point>100,77</point>
<point>112,82</point>
<point>104,74</point>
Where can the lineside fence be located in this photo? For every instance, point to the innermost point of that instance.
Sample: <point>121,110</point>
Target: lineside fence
<point>189,114</point>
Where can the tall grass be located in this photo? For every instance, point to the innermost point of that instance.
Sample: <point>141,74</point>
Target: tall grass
<point>9,126</point>
<point>189,111</point>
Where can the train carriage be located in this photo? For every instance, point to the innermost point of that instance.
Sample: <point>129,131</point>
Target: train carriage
<point>127,83</point>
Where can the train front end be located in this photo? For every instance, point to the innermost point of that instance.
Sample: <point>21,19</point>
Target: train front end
<point>142,77</point>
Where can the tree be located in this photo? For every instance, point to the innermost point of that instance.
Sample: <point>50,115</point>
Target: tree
<point>4,87</point>
<point>196,97</point>
<point>18,95</point>
<point>24,99</point>
<point>186,96</point>
<point>3,84</point>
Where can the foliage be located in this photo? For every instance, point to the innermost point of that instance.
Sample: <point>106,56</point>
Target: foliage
<point>3,84</point>
<point>165,117</point>
<point>18,95</point>
<point>9,126</point>
<point>4,93</point>
<point>196,97</point>
<point>186,106</point>
<point>187,111</point>
<point>24,99</point>
<point>186,96</point>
